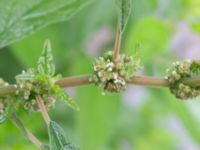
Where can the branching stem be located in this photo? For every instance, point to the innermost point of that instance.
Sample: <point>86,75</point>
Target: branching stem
<point>84,80</point>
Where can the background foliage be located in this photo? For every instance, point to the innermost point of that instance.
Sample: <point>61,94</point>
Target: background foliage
<point>141,118</point>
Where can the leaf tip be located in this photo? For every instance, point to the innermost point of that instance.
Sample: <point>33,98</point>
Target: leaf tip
<point>47,45</point>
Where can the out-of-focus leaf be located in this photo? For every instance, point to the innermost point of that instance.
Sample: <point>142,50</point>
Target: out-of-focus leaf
<point>20,18</point>
<point>190,122</point>
<point>45,63</point>
<point>193,8</point>
<point>98,115</point>
<point>124,7</point>
<point>27,54</point>
<point>196,27</point>
<point>146,33</point>
<point>6,73</point>
<point>57,139</point>
<point>67,38</point>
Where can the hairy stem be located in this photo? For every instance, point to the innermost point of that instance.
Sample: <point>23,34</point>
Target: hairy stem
<point>74,81</point>
<point>33,139</point>
<point>117,44</point>
<point>43,110</point>
<point>84,80</point>
<point>148,81</point>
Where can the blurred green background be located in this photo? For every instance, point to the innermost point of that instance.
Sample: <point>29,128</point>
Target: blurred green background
<point>139,119</point>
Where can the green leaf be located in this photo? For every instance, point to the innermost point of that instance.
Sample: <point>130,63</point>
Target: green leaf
<point>3,114</point>
<point>146,32</point>
<point>45,63</point>
<point>71,147</point>
<point>124,8</point>
<point>99,115</point>
<point>3,118</point>
<point>59,93</point>
<point>45,147</point>
<point>25,75</point>
<point>57,139</point>
<point>20,18</point>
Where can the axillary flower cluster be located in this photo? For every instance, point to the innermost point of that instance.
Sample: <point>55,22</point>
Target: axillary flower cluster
<point>175,75</point>
<point>112,75</point>
<point>2,103</point>
<point>30,84</point>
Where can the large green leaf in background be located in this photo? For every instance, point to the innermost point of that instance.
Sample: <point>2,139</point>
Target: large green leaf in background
<point>20,18</point>
<point>68,38</point>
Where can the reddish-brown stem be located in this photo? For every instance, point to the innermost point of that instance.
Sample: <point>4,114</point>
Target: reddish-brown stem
<point>43,110</point>
<point>117,45</point>
<point>33,139</point>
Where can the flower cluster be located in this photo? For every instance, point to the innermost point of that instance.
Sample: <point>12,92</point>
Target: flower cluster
<point>175,76</point>
<point>112,75</point>
<point>3,105</point>
<point>40,81</point>
<point>30,84</point>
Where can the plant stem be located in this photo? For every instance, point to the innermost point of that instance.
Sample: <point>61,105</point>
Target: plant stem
<point>74,81</point>
<point>27,133</point>
<point>149,81</point>
<point>33,139</point>
<point>7,90</point>
<point>43,110</point>
<point>117,45</point>
<point>84,80</point>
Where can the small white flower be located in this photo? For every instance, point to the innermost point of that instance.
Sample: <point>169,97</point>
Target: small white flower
<point>26,97</point>
<point>115,76</point>
<point>99,74</point>
<point>101,58</point>
<point>95,68</point>
<point>108,60</point>
<point>174,72</point>
<point>110,69</point>
<point>123,83</point>
<point>21,86</point>
<point>111,64</point>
